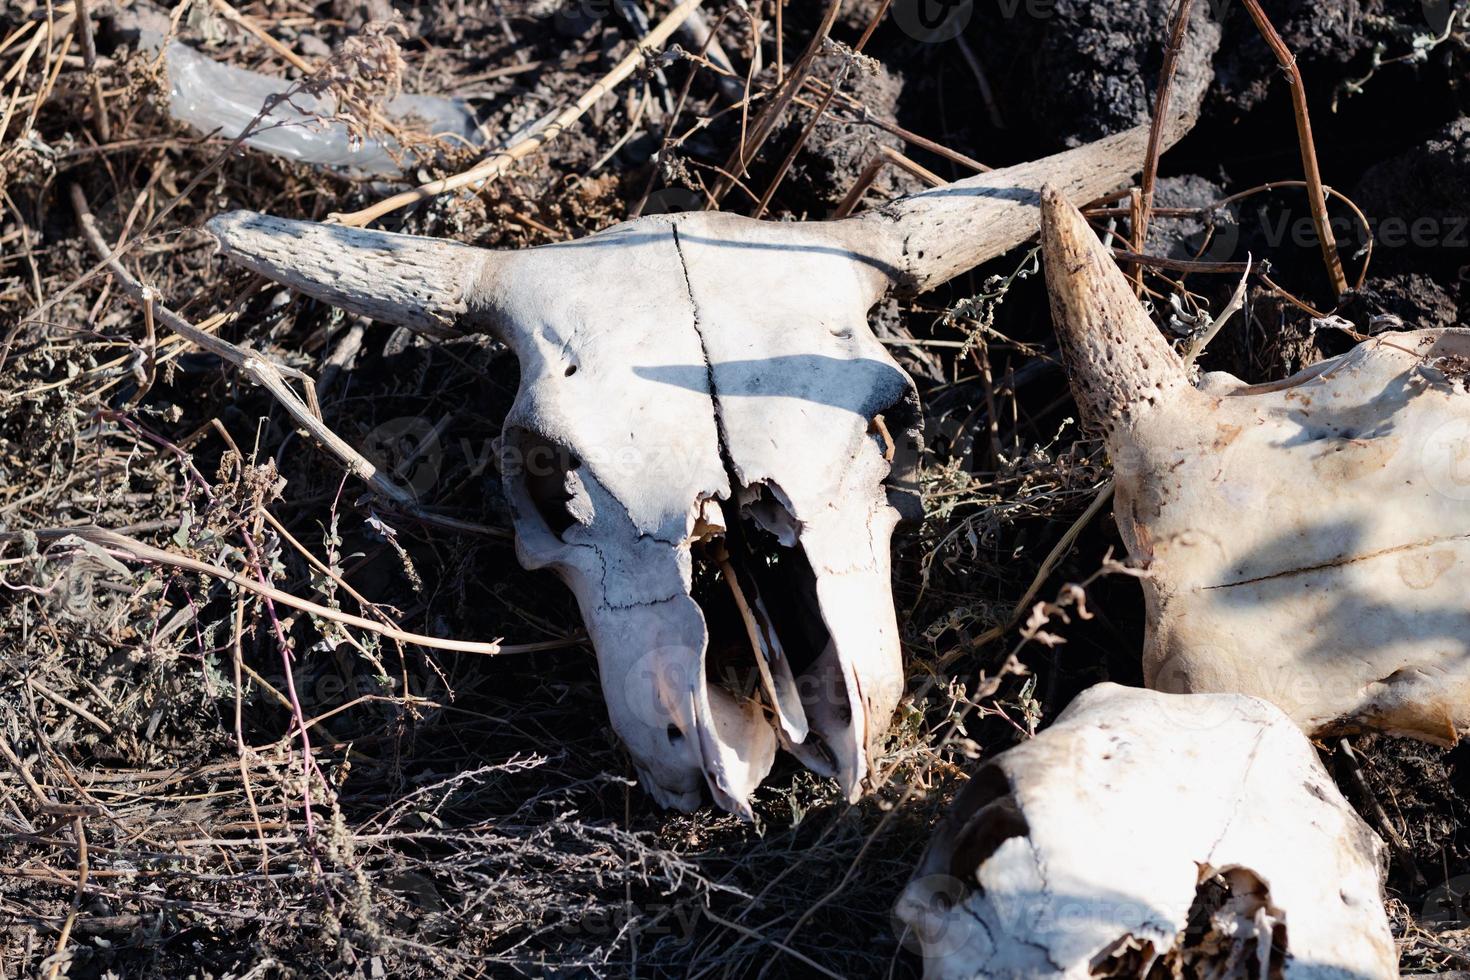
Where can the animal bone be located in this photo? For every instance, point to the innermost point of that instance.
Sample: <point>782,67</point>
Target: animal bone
<point>1307,541</point>
<point>1188,834</point>
<point>693,377</point>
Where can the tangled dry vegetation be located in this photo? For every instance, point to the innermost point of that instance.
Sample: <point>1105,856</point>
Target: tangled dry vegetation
<point>254,774</point>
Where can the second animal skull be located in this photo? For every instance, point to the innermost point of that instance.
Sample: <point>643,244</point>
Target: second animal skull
<point>1307,541</point>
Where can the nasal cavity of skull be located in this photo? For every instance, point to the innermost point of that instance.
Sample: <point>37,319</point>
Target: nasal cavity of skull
<point>896,431</point>
<point>991,817</point>
<point>1128,958</point>
<point>750,584</point>
<point>731,604</point>
<point>551,479</point>
<point>1231,921</point>
<point>781,571</point>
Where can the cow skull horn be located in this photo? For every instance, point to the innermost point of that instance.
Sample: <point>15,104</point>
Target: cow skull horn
<point>1119,361</point>
<point>947,230</point>
<point>918,242</point>
<point>430,285</point>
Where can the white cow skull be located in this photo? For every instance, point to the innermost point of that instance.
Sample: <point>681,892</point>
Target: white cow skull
<point>697,385</point>
<point>1149,834</point>
<point>1307,541</point>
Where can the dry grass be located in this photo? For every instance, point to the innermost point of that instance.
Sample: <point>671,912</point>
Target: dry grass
<point>161,811</point>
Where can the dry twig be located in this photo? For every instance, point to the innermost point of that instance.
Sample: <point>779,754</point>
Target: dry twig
<point>128,549</point>
<point>497,164</point>
<point>1315,193</point>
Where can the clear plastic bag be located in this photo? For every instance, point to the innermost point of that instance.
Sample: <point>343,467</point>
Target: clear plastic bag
<point>210,96</point>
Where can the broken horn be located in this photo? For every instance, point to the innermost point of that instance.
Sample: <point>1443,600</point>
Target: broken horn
<point>1115,355</point>
<point>931,237</point>
<point>429,285</point>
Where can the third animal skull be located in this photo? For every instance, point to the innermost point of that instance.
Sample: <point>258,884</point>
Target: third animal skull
<point>701,392</point>
<point>1153,835</point>
<point>1307,541</point>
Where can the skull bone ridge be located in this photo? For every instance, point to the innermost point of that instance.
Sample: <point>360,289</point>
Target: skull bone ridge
<point>709,446</point>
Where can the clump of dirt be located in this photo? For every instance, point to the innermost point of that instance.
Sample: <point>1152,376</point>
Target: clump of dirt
<point>1325,37</point>
<point>1191,236</point>
<point>1075,70</point>
<point>844,142</point>
<point>860,119</point>
<point>1419,204</point>
<point>1410,301</point>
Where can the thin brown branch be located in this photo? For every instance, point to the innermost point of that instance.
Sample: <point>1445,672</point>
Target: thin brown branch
<point>1179,265</point>
<point>254,366</point>
<point>1156,131</point>
<point>89,59</point>
<point>765,123</point>
<point>1315,194</point>
<point>885,155</point>
<point>821,110</point>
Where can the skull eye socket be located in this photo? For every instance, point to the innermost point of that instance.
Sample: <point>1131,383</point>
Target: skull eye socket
<point>550,476</point>
<point>993,817</point>
<point>897,432</point>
